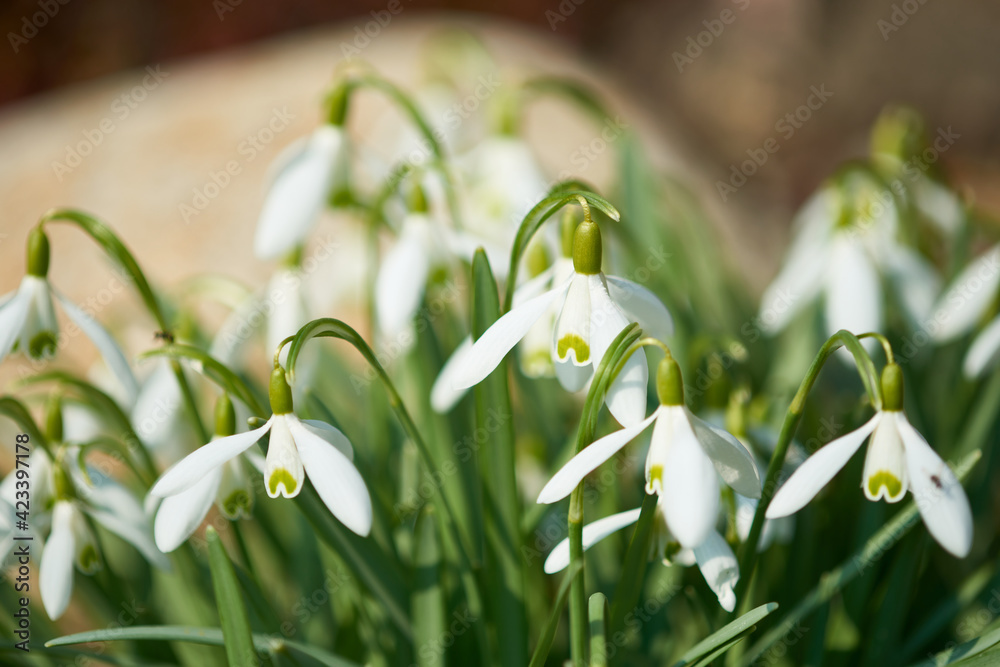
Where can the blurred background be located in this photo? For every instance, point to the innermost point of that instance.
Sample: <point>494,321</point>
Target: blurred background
<point>179,85</point>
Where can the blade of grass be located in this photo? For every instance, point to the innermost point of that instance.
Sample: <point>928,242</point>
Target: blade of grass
<point>232,612</point>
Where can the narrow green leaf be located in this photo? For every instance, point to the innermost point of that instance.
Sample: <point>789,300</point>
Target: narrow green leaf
<point>629,586</point>
<point>427,601</point>
<point>834,580</point>
<point>598,615</point>
<point>502,506</point>
<point>263,644</point>
<point>978,652</point>
<point>728,636</point>
<point>552,624</point>
<point>15,410</point>
<point>232,613</point>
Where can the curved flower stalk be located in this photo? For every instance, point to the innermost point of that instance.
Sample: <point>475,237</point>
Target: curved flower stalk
<point>593,308</point>
<point>846,237</point>
<point>964,304</point>
<point>227,485</point>
<point>713,556</point>
<point>297,448</point>
<point>28,320</point>
<point>304,176</point>
<point>898,459</point>
<point>686,458</point>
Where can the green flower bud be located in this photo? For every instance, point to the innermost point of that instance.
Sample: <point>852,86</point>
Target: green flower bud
<point>537,257</point>
<point>416,199</point>
<point>892,387</point>
<point>587,248</point>
<point>669,383</point>
<point>280,393</point>
<point>38,253</point>
<point>54,419</point>
<point>899,132</point>
<point>225,416</point>
<point>338,105</point>
<point>567,228</point>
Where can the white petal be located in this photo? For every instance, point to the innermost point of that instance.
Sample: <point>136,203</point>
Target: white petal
<point>983,351</point>
<point>40,317</point>
<point>626,397</point>
<point>490,349</point>
<point>734,463</point>
<point>180,515</point>
<point>853,295</point>
<point>642,306</point>
<point>56,569</point>
<point>941,206</point>
<point>818,469</point>
<point>185,473</point>
<point>718,565</point>
<point>593,455</point>
<point>331,434</point>
<point>914,278</point>
<point>336,479</point>
<point>968,297</point>
<point>299,192</point>
<point>13,314</point>
<point>283,473</point>
<point>106,345</point>
<point>402,276</point>
<point>572,349</point>
<point>535,286</point>
<point>885,469</point>
<point>136,534</point>
<point>444,396</point>
<point>939,495</point>
<point>593,533</point>
<point>690,496</point>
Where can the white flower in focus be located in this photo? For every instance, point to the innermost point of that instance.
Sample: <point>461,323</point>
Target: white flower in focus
<point>685,460</point>
<point>898,459</point>
<point>28,320</point>
<point>296,449</point>
<point>714,556</point>
<point>305,175</point>
<point>592,313</point>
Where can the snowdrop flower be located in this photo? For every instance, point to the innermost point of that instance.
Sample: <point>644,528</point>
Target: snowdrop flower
<point>297,448</point>
<point>845,237</point>
<point>686,458</point>
<point>304,176</point>
<point>963,305</point>
<point>228,485</point>
<point>714,556</point>
<point>898,459</point>
<point>28,320</point>
<point>594,309</point>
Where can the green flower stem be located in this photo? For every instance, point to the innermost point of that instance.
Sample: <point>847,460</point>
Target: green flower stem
<point>15,410</point>
<point>605,374</point>
<point>629,587</point>
<point>113,246</point>
<point>870,379</point>
<point>572,90</point>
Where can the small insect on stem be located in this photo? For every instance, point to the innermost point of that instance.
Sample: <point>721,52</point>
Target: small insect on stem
<point>165,336</point>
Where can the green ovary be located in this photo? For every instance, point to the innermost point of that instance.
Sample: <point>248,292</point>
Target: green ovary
<point>575,343</point>
<point>282,477</point>
<point>892,484</point>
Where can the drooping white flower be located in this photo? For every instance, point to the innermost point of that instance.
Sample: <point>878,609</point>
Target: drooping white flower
<point>592,313</point>
<point>686,458</point>
<point>714,556</point>
<point>304,176</point>
<point>845,241</point>
<point>28,320</point>
<point>898,459</point>
<point>296,449</point>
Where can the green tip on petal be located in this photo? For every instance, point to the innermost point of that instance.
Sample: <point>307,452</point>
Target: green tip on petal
<point>281,477</point>
<point>42,345</point>
<point>87,561</point>
<point>280,393</point>
<point>892,387</point>
<point>669,382</point>
<point>892,484</point>
<point>575,343</point>
<point>587,248</point>
<point>655,475</point>
<point>239,504</point>
<point>54,419</point>
<point>38,253</point>
<point>416,199</point>
<point>225,416</point>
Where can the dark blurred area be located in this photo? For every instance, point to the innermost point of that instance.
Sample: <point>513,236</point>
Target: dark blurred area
<point>721,75</point>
